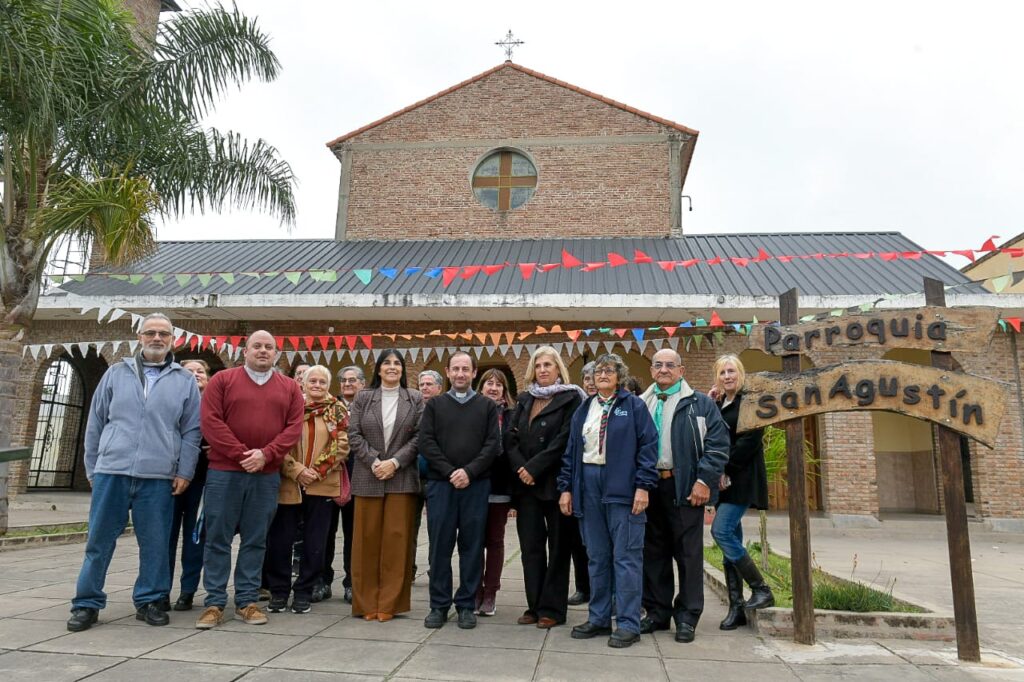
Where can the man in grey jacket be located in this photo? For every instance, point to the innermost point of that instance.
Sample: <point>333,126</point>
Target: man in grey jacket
<point>141,448</point>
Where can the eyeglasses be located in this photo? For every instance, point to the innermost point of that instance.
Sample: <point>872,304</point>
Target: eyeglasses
<point>152,333</point>
<point>664,365</point>
<point>348,381</point>
<point>606,371</point>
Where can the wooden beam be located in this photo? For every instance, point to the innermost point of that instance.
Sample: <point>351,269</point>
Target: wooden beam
<point>799,522</point>
<point>959,540</point>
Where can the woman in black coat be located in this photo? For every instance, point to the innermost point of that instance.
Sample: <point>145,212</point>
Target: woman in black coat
<point>535,442</point>
<point>744,485</point>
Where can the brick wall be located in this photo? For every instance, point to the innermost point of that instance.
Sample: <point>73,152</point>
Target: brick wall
<point>602,171</point>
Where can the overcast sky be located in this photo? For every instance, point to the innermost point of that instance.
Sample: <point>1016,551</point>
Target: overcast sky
<point>813,116</point>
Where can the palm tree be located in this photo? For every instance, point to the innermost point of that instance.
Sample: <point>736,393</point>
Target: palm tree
<point>100,135</point>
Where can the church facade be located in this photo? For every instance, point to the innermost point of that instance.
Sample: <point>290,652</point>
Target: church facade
<point>513,210</point>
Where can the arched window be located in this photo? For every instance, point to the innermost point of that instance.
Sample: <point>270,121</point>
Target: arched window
<point>59,428</point>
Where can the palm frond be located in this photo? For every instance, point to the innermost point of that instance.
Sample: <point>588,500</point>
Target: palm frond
<point>200,55</point>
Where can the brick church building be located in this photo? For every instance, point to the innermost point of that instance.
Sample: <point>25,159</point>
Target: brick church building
<point>508,205</point>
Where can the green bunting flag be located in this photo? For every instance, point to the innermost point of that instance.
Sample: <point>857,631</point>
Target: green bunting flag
<point>323,275</point>
<point>228,277</point>
<point>183,279</point>
<point>293,277</point>
<point>158,277</point>
<point>205,278</point>
<point>999,283</point>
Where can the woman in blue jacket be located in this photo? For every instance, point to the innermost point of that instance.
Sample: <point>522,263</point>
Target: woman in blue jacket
<point>607,471</point>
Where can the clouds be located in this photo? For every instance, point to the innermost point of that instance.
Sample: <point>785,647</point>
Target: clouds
<point>813,116</point>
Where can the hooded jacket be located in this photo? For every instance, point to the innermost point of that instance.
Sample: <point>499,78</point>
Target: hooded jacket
<point>140,433</point>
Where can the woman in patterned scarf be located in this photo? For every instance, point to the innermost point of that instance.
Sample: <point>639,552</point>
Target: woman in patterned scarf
<point>310,480</point>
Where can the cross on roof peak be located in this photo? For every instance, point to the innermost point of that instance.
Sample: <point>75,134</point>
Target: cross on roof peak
<point>509,43</point>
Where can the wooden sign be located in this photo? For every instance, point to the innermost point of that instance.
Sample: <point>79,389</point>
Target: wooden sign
<point>929,328</point>
<point>965,403</point>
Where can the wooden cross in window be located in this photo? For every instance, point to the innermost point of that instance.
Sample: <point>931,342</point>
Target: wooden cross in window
<point>505,181</point>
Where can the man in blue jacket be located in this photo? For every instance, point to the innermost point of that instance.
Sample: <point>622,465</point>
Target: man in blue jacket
<point>693,442</point>
<point>141,447</point>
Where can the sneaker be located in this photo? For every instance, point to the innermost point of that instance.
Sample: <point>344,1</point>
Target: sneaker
<point>251,615</point>
<point>82,619</point>
<point>211,617</point>
<point>487,606</point>
<point>301,605</point>
<point>277,604</point>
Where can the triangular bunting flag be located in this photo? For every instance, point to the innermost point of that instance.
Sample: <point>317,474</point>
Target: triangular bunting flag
<point>673,342</point>
<point>293,277</point>
<point>569,260</point>
<point>615,260</point>
<point>364,276</point>
<point>204,278</point>
<point>593,346</point>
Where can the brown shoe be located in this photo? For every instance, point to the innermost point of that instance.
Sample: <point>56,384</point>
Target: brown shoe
<point>545,623</point>
<point>211,617</point>
<point>527,619</point>
<point>252,615</point>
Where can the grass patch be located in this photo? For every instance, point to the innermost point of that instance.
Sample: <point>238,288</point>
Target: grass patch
<point>830,592</point>
<point>38,531</point>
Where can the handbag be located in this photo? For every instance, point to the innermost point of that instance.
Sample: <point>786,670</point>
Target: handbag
<point>346,488</point>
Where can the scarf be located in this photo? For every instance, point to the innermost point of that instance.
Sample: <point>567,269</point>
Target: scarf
<point>662,397</point>
<point>606,408</point>
<point>335,417</point>
<point>545,392</point>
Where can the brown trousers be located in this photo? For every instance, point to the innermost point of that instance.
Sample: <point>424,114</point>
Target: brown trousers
<point>381,556</point>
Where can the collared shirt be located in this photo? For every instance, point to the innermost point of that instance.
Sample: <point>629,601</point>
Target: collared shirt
<point>259,377</point>
<point>665,437</point>
<point>462,397</point>
<point>592,451</point>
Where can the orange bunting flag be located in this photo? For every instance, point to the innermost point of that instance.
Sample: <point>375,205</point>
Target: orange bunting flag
<point>615,260</point>
<point>540,330</point>
<point>569,260</point>
<point>620,332</point>
<point>715,320</point>
<point>670,330</point>
<point>574,334</point>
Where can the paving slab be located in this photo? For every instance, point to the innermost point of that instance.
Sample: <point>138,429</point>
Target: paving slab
<point>401,629</point>
<point>727,671</point>
<point>169,671</point>
<point>16,633</point>
<point>278,675</point>
<point>862,673</point>
<point>741,648</point>
<point>488,635</point>
<point>282,623</point>
<point>231,648</point>
<point>555,666</point>
<point>18,605</point>
<point>344,655</point>
<point>34,666</point>
<point>446,662</point>
<point>560,639</point>
<point>113,640</point>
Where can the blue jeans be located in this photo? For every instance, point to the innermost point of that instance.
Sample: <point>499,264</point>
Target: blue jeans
<point>150,502</point>
<point>727,530</point>
<point>614,538</point>
<point>183,523</point>
<point>236,500</point>
<point>456,516</point>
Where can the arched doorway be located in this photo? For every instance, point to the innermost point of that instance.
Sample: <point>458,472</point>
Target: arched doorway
<point>60,426</point>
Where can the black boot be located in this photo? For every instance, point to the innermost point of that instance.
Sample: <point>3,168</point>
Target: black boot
<point>736,616</point>
<point>761,597</point>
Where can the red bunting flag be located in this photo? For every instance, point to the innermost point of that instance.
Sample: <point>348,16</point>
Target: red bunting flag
<point>279,342</point>
<point>641,257</point>
<point>941,254</point>
<point>574,334</point>
<point>220,341</point>
<point>179,342</point>
<point>615,260</point>
<point>784,259</point>
<point>1014,322</point>
<point>620,332</point>
<point>547,267</point>
<point>350,342</point>
<point>235,340</point>
<point>526,269</point>
<point>667,265</point>
<point>569,260</point>
<point>912,255</point>
<point>717,260</point>
<point>593,266</point>
<point>367,340</point>
<point>990,243</point>
<point>492,269</point>
<point>889,255</point>
<point>715,320</point>
<point>1013,252</point>
<point>337,341</point>
<point>689,263</point>
<point>762,256</point>
<point>294,340</point>
<point>449,275</point>
<point>671,331</point>
<point>469,271</point>
<point>865,255</point>
<point>324,341</point>
<point>308,340</point>
<point>966,253</point>
<point>737,260</point>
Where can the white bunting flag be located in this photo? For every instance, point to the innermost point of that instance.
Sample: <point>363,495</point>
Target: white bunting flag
<point>117,315</point>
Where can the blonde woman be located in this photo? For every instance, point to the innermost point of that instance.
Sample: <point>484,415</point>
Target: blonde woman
<point>535,441</point>
<point>309,484</point>
<point>744,485</point>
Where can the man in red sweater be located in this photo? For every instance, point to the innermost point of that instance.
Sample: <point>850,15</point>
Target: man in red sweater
<point>251,416</point>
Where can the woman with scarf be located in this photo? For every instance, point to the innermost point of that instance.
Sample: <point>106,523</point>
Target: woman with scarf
<point>744,485</point>
<point>310,480</point>
<point>535,440</point>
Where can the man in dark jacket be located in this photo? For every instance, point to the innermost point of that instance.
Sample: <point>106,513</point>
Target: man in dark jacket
<point>693,451</point>
<point>459,439</point>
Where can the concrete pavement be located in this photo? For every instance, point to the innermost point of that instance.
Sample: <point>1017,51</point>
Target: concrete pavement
<point>327,644</point>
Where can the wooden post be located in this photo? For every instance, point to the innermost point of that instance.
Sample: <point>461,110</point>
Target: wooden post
<point>964,609</point>
<point>799,522</point>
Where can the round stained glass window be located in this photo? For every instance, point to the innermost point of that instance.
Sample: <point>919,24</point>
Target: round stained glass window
<point>504,180</point>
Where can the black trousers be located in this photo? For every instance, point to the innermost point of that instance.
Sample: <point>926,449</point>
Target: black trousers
<point>315,513</point>
<point>546,538</point>
<point>580,561</point>
<point>346,515</point>
<point>673,534</point>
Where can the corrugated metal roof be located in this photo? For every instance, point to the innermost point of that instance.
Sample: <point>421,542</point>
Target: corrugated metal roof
<point>825,276</point>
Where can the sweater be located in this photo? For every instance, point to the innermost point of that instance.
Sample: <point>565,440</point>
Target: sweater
<point>456,435</point>
<point>238,415</point>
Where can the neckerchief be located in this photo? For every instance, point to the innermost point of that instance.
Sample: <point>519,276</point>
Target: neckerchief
<point>606,408</point>
<point>662,396</point>
<point>335,416</point>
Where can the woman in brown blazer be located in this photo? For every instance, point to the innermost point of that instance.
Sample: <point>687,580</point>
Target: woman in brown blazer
<point>383,427</point>
<point>309,484</point>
